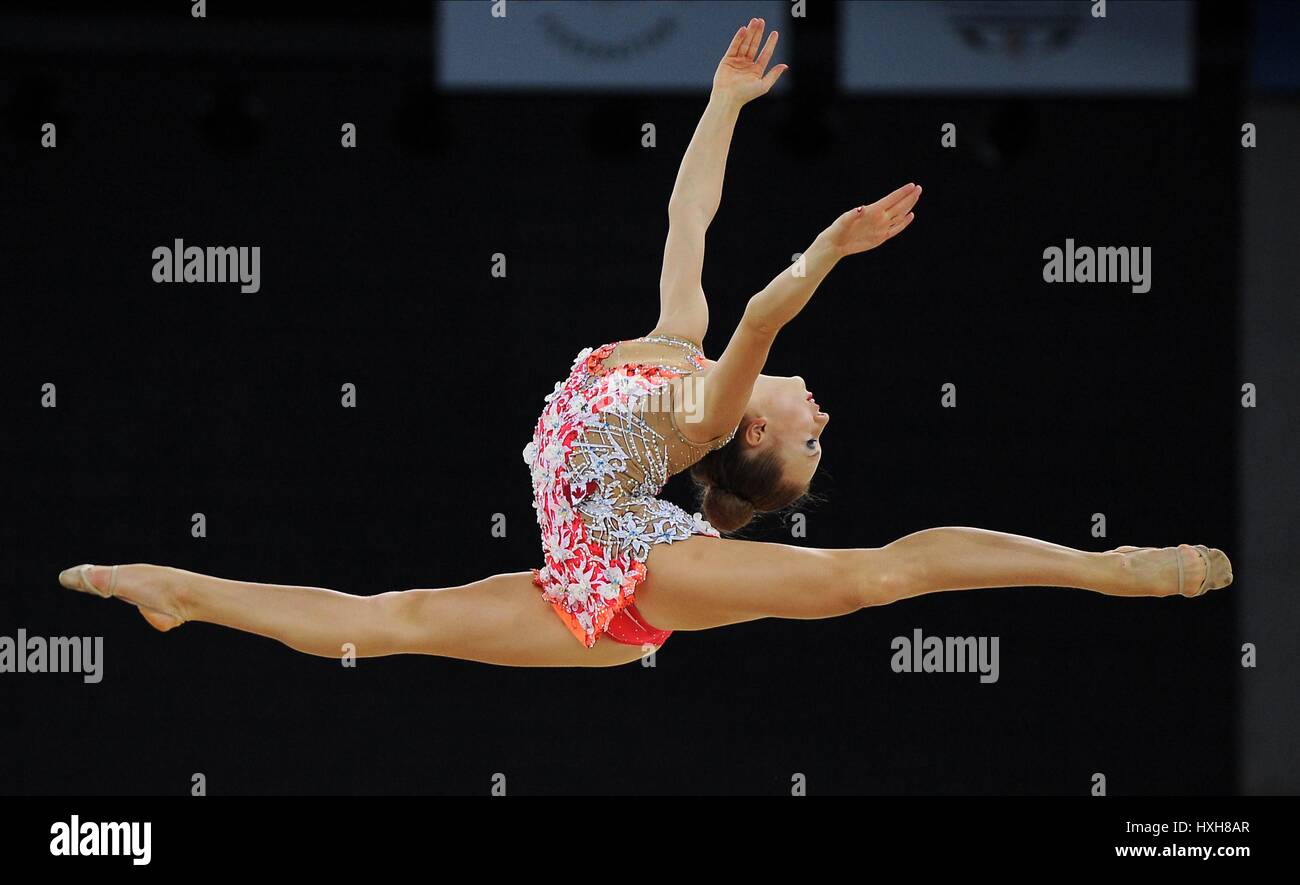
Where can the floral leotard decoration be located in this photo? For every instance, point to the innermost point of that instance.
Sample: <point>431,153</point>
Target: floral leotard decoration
<point>601,452</point>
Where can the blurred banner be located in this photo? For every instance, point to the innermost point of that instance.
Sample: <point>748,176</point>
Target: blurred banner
<point>592,44</point>
<point>1019,46</point>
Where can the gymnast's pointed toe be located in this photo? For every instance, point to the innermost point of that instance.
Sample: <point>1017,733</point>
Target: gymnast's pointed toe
<point>71,577</point>
<point>1220,569</point>
<point>1214,566</point>
<point>148,587</point>
<point>79,578</point>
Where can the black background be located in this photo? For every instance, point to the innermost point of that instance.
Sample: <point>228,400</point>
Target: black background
<point>176,399</point>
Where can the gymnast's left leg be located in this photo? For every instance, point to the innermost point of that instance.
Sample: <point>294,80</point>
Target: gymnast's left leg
<point>502,619</point>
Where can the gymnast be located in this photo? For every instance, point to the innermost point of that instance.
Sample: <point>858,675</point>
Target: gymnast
<point>622,568</point>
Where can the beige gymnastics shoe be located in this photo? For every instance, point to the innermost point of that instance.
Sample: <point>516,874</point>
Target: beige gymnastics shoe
<point>78,578</point>
<point>1217,567</point>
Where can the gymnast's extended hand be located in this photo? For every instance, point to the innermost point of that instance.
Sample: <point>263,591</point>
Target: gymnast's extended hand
<point>866,227</point>
<point>740,76</point>
<point>857,230</point>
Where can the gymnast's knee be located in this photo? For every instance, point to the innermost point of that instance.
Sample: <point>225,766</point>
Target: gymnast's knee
<point>881,575</point>
<point>402,621</point>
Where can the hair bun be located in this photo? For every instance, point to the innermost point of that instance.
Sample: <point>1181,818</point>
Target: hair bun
<point>725,510</point>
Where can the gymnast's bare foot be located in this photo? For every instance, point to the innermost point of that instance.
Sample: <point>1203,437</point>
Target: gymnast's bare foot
<point>1154,570</point>
<point>148,587</point>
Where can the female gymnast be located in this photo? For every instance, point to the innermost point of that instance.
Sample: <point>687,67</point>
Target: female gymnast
<point>627,567</point>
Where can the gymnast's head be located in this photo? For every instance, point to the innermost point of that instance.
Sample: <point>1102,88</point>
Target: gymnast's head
<point>770,462</point>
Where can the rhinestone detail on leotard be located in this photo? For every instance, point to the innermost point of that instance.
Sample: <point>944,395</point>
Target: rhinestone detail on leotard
<point>598,462</point>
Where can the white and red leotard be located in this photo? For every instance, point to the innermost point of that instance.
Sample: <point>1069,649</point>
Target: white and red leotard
<point>601,452</point>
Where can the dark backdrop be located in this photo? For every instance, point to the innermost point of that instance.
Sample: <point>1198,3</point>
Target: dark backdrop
<point>172,400</point>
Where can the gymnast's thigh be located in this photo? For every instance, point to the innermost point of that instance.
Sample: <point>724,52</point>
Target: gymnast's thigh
<point>704,582</point>
<point>498,620</point>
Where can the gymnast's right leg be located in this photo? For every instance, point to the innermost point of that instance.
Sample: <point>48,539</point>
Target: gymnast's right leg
<point>498,620</point>
<point>703,582</point>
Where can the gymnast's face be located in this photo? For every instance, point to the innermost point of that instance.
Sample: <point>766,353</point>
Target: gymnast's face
<point>790,421</point>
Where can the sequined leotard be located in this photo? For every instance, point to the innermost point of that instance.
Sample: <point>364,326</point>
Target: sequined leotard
<point>603,448</point>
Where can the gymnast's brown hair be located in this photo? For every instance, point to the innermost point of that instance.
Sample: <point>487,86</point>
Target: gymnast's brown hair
<point>734,485</point>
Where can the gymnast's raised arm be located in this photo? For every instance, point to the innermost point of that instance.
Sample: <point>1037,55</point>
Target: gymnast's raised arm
<point>725,391</point>
<point>740,78</point>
